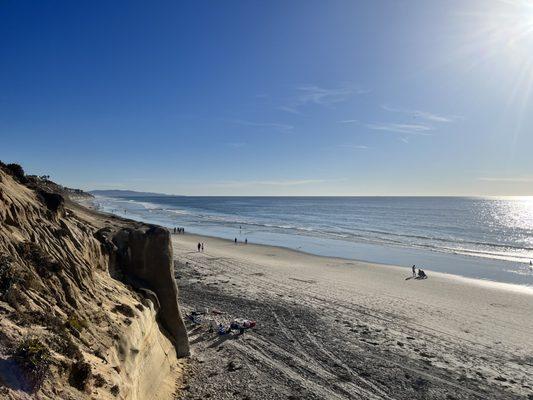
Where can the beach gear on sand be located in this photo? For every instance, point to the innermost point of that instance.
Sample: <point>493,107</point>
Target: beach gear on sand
<point>421,274</point>
<point>195,317</point>
<point>204,318</point>
<point>241,325</point>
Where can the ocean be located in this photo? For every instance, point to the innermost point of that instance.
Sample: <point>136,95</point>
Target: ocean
<point>482,238</point>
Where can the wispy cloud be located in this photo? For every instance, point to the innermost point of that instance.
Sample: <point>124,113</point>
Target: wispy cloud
<point>421,114</point>
<point>292,110</point>
<point>103,185</point>
<point>273,125</point>
<point>317,95</point>
<point>423,127</point>
<point>284,182</point>
<point>409,129</point>
<point>352,146</point>
<point>516,179</point>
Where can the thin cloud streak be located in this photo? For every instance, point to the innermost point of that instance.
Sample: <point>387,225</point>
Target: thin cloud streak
<point>352,146</point>
<point>421,114</point>
<point>277,126</point>
<point>520,179</point>
<point>291,110</point>
<point>316,95</point>
<point>410,129</point>
<point>288,182</point>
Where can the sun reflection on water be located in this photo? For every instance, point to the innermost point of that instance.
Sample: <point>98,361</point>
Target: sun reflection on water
<point>515,212</point>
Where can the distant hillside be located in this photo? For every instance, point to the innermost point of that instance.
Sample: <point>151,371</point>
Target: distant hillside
<point>125,193</point>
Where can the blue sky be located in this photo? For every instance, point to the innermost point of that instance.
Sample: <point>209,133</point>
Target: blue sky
<point>271,98</point>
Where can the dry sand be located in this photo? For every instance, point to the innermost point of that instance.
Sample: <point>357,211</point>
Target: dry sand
<point>338,329</point>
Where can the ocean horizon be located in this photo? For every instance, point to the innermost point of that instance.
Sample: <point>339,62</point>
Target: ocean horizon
<point>488,238</point>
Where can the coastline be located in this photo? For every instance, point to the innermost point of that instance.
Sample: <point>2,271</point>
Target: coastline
<point>467,263</point>
<point>336,328</point>
<point>490,284</point>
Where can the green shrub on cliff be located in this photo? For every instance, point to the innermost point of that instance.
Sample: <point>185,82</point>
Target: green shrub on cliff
<point>7,274</point>
<point>34,358</point>
<point>75,324</point>
<point>15,170</point>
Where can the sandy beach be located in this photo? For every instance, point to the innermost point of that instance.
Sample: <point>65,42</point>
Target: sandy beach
<point>331,328</point>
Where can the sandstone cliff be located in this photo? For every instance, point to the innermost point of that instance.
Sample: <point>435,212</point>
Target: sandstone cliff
<point>88,302</point>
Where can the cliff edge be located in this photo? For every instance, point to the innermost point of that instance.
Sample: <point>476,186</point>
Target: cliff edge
<point>88,302</point>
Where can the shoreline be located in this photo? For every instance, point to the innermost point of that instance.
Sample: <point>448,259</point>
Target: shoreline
<point>490,284</point>
<point>434,259</point>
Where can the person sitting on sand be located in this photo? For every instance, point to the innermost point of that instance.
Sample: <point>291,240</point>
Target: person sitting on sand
<point>421,274</point>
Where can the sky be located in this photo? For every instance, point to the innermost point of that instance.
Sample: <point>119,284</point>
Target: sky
<point>377,97</point>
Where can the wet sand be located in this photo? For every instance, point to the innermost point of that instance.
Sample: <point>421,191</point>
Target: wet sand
<point>330,328</point>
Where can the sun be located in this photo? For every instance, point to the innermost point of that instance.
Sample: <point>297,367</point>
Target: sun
<point>511,24</point>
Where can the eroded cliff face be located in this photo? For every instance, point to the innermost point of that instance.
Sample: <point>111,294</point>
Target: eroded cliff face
<point>145,257</point>
<point>88,303</point>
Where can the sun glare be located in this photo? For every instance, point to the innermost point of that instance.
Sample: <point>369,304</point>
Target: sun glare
<point>509,25</point>
<point>499,42</point>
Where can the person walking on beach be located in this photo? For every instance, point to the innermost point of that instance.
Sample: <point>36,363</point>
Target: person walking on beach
<point>202,247</point>
<point>199,246</point>
<point>246,241</point>
<point>235,240</point>
<point>414,270</point>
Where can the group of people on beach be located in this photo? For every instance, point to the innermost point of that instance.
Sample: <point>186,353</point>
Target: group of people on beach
<point>200,247</point>
<point>421,273</point>
<point>245,241</point>
<point>179,230</point>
